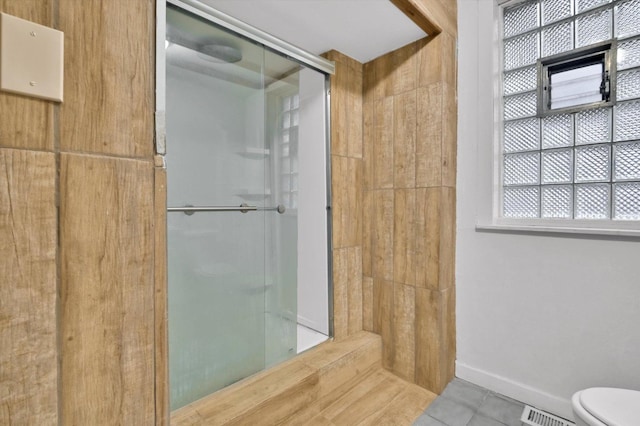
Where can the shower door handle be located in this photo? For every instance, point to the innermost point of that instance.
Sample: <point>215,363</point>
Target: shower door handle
<point>242,208</point>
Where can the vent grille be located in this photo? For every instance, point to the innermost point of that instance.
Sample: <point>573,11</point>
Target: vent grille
<point>534,417</point>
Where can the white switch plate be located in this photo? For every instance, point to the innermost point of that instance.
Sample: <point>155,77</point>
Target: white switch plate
<point>31,58</point>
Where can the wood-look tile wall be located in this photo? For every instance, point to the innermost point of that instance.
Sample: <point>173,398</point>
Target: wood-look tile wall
<point>409,112</point>
<point>347,194</point>
<point>393,184</point>
<point>77,225</point>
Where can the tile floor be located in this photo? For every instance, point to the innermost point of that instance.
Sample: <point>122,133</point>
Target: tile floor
<point>465,404</point>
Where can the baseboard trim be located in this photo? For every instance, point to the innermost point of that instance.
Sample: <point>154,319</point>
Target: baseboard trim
<point>518,391</point>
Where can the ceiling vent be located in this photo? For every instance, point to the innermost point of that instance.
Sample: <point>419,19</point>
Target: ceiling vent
<point>534,417</point>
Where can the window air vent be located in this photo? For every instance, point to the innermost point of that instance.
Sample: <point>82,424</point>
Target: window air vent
<point>534,417</point>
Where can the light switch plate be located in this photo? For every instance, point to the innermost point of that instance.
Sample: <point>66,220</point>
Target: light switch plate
<point>31,58</point>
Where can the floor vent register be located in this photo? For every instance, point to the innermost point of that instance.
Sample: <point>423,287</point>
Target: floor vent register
<point>534,417</point>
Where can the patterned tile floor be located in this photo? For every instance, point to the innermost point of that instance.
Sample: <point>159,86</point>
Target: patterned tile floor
<point>465,404</point>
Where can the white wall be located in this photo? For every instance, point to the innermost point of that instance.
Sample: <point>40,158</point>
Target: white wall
<point>539,316</point>
<point>313,279</point>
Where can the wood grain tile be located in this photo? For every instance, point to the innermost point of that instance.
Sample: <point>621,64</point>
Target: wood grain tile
<point>449,136</point>
<point>355,115</point>
<point>383,222</point>
<point>428,237</point>
<point>340,293</point>
<point>368,213</point>
<point>404,140</point>
<point>339,107</point>
<point>346,201</point>
<point>405,231</point>
<point>404,315</point>
<point>354,394</point>
<point>38,11</point>
<point>433,16</point>
<point>347,291</point>
<point>368,142</point>
<point>419,15</point>
<point>383,143</point>
<point>160,301</point>
<point>268,400</point>
<point>429,136</point>
<point>383,318</point>
<point>447,238</point>
<point>372,402</point>
<point>367,303</point>
<point>383,70</point>
<point>28,296</point>
<point>107,317</point>
<point>16,131</point>
<point>435,341</point>
<point>449,59</point>
<point>354,289</point>
<point>294,391</point>
<point>341,362</point>
<point>109,77</point>
<point>404,409</point>
<point>369,82</point>
<point>403,77</point>
<point>339,200</point>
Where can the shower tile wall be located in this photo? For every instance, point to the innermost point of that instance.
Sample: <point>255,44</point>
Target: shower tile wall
<point>393,183</point>
<point>77,334</point>
<point>347,191</point>
<point>409,203</point>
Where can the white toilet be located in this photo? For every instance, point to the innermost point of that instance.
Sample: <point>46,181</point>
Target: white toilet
<point>606,407</point>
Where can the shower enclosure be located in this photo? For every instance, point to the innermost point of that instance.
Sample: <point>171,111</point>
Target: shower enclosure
<point>247,203</point>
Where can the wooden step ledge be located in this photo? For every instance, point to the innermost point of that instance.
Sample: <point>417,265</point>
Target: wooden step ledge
<point>315,379</point>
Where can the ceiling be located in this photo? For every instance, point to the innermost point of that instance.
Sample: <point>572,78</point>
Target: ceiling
<point>361,29</point>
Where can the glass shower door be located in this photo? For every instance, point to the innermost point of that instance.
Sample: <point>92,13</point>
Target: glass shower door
<point>232,271</point>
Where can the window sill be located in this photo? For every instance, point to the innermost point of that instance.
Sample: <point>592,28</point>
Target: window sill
<point>491,227</point>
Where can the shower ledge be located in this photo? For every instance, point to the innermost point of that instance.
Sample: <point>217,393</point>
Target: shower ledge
<point>335,384</point>
<point>323,373</point>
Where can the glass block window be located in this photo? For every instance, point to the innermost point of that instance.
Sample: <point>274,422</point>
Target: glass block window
<point>288,151</point>
<point>582,162</point>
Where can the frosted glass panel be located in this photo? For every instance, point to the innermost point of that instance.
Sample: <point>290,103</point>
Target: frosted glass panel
<point>248,131</point>
<point>582,5</point>
<point>557,131</point>
<point>628,85</point>
<point>627,120</point>
<point>627,161</point>
<point>520,19</point>
<point>522,80</point>
<point>592,201</point>
<point>557,166</point>
<point>557,38</point>
<point>554,10</point>
<point>593,126</point>
<point>627,18</point>
<point>519,106</point>
<point>593,27</point>
<point>592,163</point>
<point>628,54</point>
<point>520,169</point>
<point>216,261</point>
<point>522,135</point>
<point>520,51</point>
<point>521,202</point>
<point>626,202</point>
<point>557,202</point>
